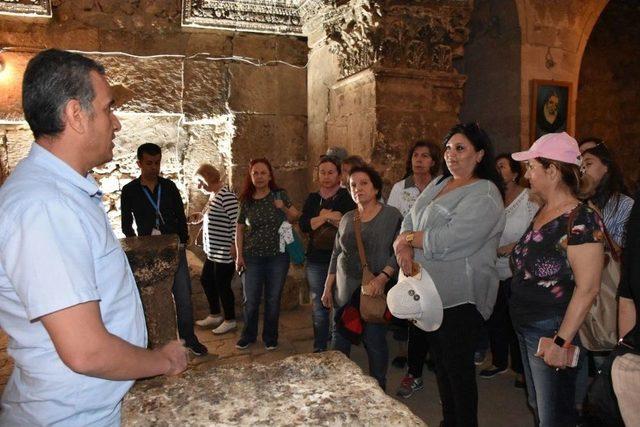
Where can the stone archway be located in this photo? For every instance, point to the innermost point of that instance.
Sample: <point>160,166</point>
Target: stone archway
<point>492,65</point>
<point>609,84</point>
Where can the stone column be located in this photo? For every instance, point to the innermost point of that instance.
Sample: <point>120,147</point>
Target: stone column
<point>397,83</point>
<point>154,261</point>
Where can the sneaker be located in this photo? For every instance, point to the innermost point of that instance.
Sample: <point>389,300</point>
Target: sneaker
<point>210,321</point>
<point>271,346</point>
<point>409,385</point>
<point>243,343</point>
<point>478,357</point>
<point>492,372</point>
<point>197,348</point>
<point>226,326</point>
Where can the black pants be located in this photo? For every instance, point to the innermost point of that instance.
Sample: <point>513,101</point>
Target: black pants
<point>417,350</point>
<point>452,346</point>
<point>216,282</point>
<point>501,335</point>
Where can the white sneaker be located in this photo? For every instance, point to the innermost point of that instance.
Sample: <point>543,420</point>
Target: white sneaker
<point>210,321</point>
<point>226,326</point>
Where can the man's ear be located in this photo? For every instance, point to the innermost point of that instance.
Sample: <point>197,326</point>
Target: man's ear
<point>74,116</point>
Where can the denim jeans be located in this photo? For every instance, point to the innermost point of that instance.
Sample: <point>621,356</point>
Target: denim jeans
<point>551,393</point>
<point>268,273</point>
<point>316,276</point>
<point>182,296</point>
<point>374,338</point>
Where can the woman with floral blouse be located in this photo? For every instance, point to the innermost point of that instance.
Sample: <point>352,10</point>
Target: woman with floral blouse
<point>556,266</point>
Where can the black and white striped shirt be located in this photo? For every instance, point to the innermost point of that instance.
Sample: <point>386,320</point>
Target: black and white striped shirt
<point>219,226</point>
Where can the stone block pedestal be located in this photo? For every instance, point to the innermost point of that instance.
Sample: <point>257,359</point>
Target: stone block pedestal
<point>308,389</point>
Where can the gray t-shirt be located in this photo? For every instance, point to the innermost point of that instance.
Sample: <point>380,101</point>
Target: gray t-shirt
<point>378,235</point>
<point>462,230</point>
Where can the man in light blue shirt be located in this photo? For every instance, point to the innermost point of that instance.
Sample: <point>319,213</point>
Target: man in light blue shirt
<point>68,299</point>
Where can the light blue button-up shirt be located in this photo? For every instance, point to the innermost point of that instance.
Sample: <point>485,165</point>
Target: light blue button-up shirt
<point>57,250</point>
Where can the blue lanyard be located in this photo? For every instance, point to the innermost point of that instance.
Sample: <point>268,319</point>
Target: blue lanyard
<point>156,204</point>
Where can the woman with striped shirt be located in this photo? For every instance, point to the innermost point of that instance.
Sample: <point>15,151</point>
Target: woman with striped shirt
<point>218,234</point>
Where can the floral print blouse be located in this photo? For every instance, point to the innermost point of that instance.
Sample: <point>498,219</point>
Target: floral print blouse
<point>543,282</point>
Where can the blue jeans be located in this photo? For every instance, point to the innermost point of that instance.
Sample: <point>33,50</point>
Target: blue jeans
<point>374,338</point>
<point>270,273</point>
<point>182,296</point>
<point>551,393</point>
<point>316,276</point>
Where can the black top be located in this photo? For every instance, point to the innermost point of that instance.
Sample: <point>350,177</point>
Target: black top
<point>262,222</point>
<point>134,203</point>
<point>630,281</point>
<point>341,202</point>
<point>543,282</point>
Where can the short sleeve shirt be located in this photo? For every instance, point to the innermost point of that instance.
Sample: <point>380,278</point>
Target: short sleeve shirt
<point>543,281</point>
<point>262,221</point>
<point>57,250</point>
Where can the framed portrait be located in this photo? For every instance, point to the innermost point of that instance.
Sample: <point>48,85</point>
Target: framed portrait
<point>550,107</point>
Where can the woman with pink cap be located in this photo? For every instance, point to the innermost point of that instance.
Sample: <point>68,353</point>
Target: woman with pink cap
<point>556,275</point>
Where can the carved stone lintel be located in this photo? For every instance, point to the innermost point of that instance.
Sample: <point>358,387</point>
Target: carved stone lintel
<point>263,16</point>
<point>425,36</point>
<point>26,7</point>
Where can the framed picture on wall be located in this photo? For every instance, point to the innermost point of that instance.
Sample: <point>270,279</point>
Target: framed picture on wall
<point>550,107</point>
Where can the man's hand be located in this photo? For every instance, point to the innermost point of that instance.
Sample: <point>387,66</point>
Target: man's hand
<point>376,286</point>
<point>327,298</point>
<point>279,204</point>
<point>176,355</point>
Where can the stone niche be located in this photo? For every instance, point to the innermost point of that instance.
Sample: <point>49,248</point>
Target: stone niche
<point>324,389</point>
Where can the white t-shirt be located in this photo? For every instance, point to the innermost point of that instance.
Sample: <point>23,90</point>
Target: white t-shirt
<point>403,195</point>
<point>518,215</point>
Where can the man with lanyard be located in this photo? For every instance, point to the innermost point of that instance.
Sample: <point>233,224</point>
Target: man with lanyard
<point>157,207</point>
<point>68,299</point>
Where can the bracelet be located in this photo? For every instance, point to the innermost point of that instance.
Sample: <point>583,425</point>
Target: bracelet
<point>386,274</point>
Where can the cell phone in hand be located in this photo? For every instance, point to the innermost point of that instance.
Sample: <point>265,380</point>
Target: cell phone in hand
<point>573,351</point>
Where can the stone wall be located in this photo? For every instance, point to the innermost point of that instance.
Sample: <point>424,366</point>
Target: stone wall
<point>609,86</point>
<point>554,36</point>
<point>491,63</point>
<point>203,95</point>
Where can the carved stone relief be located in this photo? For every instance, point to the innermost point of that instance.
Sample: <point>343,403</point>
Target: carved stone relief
<point>265,16</point>
<point>26,7</point>
<point>422,37</point>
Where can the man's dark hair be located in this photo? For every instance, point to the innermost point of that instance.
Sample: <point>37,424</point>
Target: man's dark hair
<point>148,148</point>
<point>52,78</point>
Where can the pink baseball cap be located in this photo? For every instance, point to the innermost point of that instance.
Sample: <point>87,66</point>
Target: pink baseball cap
<point>553,146</point>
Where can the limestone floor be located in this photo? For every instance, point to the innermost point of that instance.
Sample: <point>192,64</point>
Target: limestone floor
<point>500,403</point>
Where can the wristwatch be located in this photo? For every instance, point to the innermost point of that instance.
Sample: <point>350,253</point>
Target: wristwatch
<point>559,341</point>
<point>409,238</point>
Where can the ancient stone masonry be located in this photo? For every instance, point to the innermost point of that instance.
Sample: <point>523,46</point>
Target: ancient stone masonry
<point>26,7</point>
<point>268,16</point>
<point>413,35</point>
<point>324,389</point>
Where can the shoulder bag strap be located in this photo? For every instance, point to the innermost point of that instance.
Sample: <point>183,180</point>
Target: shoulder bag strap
<point>613,247</point>
<point>357,226</point>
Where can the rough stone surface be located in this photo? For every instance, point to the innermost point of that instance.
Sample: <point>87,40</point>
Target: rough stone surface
<point>16,141</point>
<point>314,389</point>
<point>154,261</point>
<point>610,86</point>
<point>206,89</point>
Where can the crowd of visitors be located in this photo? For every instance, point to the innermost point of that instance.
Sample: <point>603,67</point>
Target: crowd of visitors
<point>521,255</point>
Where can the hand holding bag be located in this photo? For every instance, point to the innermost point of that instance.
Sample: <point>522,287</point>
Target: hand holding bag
<point>372,309</point>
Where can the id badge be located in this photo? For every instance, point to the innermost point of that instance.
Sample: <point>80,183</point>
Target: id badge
<point>155,232</point>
